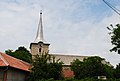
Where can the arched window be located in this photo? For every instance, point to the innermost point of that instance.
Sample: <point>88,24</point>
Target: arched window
<point>40,50</point>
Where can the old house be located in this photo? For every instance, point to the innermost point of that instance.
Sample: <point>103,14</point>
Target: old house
<point>12,69</point>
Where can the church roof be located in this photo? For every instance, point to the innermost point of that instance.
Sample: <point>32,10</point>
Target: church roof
<point>67,59</point>
<point>6,60</point>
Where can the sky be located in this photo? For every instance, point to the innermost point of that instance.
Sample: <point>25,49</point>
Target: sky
<point>72,27</point>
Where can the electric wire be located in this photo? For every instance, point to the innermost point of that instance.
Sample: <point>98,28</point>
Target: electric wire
<point>112,7</point>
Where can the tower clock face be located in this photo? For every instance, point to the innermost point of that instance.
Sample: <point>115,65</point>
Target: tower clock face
<point>40,44</point>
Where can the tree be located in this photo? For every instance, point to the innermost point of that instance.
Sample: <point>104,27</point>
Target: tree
<point>45,66</point>
<point>117,71</point>
<point>77,67</point>
<point>90,67</point>
<point>21,53</point>
<point>9,52</point>
<point>115,37</point>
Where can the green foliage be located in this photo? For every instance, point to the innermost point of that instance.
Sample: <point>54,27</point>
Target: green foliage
<point>90,67</point>
<point>115,37</point>
<point>21,53</point>
<point>85,79</point>
<point>117,71</point>
<point>109,71</point>
<point>45,67</point>
<point>9,52</point>
<point>89,79</point>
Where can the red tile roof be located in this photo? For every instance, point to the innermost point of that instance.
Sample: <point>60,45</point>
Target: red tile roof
<point>6,60</point>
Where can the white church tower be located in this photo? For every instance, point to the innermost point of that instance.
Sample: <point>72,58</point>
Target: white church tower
<point>39,46</point>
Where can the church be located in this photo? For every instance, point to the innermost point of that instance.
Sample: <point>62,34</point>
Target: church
<point>13,69</point>
<point>40,46</point>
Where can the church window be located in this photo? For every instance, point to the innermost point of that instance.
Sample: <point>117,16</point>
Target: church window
<point>40,50</point>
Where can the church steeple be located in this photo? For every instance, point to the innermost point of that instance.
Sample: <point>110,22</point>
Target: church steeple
<point>39,46</point>
<point>39,36</point>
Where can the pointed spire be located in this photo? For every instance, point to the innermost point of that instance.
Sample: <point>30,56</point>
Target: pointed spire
<point>39,36</point>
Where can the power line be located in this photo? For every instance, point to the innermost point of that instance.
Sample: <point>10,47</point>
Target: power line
<point>112,7</point>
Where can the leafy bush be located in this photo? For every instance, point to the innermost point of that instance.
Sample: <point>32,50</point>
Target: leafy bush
<point>45,67</point>
<point>91,67</point>
<point>85,79</point>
